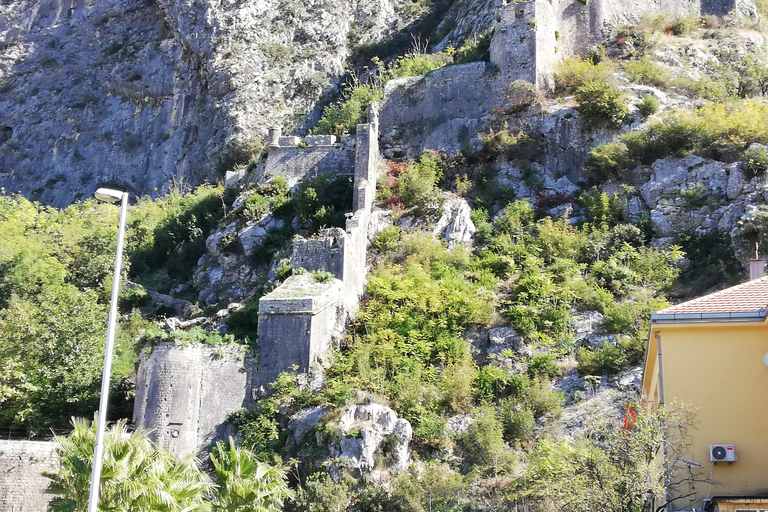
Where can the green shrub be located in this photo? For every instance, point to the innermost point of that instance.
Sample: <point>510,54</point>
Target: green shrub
<point>596,54</point>
<point>683,25</point>
<point>388,240</point>
<point>473,50</point>
<point>429,432</point>
<point>319,494</point>
<point>607,161</point>
<point>544,365</point>
<point>645,71</point>
<point>648,106</point>
<point>696,196</point>
<point>712,88</point>
<point>513,147</point>
<point>169,233</point>
<point>720,131</point>
<point>484,229</point>
<point>712,263</point>
<point>237,154</point>
<point>322,276</point>
<point>483,442</point>
<point>542,401</point>
<point>753,76</point>
<point>754,162</point>
<point>610,359</point>
<point>601,209</point>
<point>572,72</point>
<point>492,382</point>
<point>352,109</point>
<point>243,323</point>
<point>601,103</point>
<point>413,64</point>
<point>518,424</point>
<point>516,216</point>
<point>321,201</point>
<point>418,184</point>
<point>619,318</point>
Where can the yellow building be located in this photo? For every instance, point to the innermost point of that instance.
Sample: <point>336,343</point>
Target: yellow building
<point>712,353</point>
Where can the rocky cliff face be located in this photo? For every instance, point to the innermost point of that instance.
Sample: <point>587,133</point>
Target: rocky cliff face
<point>140,92</point>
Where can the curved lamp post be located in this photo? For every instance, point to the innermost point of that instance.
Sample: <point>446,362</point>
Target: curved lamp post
<point>109,196</point>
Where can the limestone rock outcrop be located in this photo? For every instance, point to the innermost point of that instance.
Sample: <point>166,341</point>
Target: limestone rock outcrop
<point>364,428</point>
<point>139,93</point>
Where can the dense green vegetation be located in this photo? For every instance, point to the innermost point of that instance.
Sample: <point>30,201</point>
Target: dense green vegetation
<point>720,131</point>
<point>55,280</point>
<point>408,347</point>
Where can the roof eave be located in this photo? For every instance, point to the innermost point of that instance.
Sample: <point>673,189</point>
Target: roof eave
<point>725,316</point>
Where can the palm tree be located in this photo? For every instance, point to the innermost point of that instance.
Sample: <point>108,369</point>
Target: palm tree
<point>136,476</point>
<point>247,484</point>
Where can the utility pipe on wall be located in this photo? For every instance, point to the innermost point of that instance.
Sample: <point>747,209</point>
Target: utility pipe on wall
<point>664,430</point>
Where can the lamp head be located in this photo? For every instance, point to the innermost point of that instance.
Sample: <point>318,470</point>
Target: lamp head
<point>108,195</point>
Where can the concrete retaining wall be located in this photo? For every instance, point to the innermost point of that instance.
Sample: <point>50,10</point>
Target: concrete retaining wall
<point>22,487</point>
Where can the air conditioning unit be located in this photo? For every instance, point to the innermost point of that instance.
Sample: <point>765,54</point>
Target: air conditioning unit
<point>722,453</point>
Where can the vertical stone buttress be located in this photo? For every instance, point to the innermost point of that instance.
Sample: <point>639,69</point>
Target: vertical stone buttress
<point>523,44</point>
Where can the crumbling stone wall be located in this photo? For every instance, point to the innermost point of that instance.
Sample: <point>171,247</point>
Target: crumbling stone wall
<point>22,487</point>
<point>446,108</point>
<point>318,155</point>
<point>298,319</point>
<point>184,394</point>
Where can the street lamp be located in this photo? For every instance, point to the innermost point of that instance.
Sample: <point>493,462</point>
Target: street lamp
<point>109,196</point>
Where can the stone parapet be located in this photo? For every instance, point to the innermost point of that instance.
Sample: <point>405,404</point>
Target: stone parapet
<point>320,140</point>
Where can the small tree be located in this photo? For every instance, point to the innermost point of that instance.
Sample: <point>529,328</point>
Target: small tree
<point>611,469</point>
<point>601,103</point>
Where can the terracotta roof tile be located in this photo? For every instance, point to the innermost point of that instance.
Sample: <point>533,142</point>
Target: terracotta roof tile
<point>747,297</point>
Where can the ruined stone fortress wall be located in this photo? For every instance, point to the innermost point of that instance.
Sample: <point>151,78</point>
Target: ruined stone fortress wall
<point>298,319</point>
<point>447,107</point>
<point>22,487</point>
<point>184,394</point>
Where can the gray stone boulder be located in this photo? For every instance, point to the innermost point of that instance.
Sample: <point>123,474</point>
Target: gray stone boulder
<point>503,339</point>
<point>251,236</point>
<point>219,242</point>
<point>585,323</point>
<point>363,429</point>
<point>459,424</point>
<point>455,225</point>
<point>305,421</point>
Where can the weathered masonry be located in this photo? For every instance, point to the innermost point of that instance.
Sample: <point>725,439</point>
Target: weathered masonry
<point>445,108</point>
<point>184,394</point>
<point>22,487</point>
